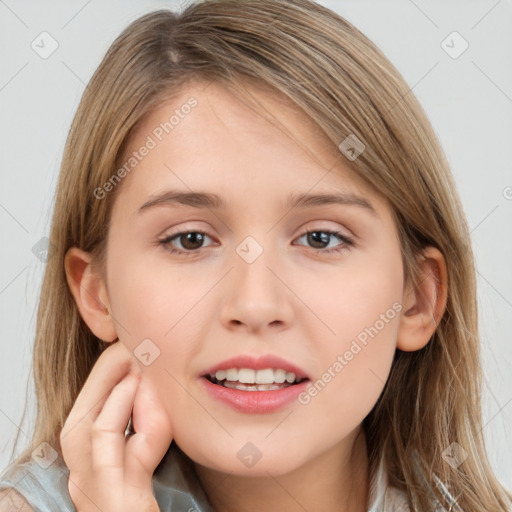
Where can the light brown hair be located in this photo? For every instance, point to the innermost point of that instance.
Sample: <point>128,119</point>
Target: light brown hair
<point>342,81</point>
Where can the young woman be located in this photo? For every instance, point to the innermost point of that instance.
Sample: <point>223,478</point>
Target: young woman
<point>259,262</point>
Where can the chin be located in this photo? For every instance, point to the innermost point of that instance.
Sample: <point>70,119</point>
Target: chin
<point>247,459</point>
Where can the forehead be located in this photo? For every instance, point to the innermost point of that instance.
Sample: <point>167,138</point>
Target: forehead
<point>210,137</point>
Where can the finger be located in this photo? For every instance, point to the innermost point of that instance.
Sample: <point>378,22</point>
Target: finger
<point>112,365</point>
<point>153,434</point>
<point>107,432</point>
<point>75,437</point>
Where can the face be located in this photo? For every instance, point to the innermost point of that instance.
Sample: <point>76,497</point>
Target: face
<point>195,283</point>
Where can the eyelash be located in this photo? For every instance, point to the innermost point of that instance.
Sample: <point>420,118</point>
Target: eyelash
<point>347,242</point>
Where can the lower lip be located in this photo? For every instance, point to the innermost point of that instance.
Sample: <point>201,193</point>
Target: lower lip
<point>255,402</point>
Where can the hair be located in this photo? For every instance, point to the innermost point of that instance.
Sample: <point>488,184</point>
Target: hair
<point>333,73</point>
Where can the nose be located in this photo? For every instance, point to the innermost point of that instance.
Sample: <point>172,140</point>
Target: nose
<point>256,295</point>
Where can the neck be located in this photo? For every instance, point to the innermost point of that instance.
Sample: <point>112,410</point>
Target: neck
<point>336,480</point>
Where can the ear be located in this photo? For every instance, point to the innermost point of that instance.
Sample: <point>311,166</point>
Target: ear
<point>424,305</point>
<point>90,294</point>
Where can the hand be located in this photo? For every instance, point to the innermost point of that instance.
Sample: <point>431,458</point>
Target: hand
<point>109,472</point>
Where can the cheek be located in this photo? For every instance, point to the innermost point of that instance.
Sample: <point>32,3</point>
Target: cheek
<point>361,306</point>
<point>156,311</point>
<point>354,365</point>
<point>155,300</point>
<point>356,296</point>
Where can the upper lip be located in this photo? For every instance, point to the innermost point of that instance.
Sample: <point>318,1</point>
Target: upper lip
<point>257,363</point>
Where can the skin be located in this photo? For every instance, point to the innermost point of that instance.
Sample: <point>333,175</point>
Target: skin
<point>295,300</point>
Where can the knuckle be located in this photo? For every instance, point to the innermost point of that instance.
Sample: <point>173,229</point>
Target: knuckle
<point>100,429</point>
<point>97,430</point>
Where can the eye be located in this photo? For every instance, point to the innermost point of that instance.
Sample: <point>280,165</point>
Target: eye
<point>320,237</point>
<point>190,242</point>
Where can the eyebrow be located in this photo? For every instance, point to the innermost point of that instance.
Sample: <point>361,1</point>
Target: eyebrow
<point>213,201</point>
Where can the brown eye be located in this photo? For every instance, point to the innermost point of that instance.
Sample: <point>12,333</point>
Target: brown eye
<point>320,240</point>
<point>190,241</point>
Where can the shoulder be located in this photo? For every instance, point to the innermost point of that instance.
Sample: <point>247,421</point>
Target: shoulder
<point>12,501</point>
<point>35,486</point>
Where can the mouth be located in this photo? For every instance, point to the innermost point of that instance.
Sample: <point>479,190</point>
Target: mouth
<point>248,379</point>
<point>255,384</point>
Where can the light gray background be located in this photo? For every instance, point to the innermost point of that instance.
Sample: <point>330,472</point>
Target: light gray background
<point>468,100</point>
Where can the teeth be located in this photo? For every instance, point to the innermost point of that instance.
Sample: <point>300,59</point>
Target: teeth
<point>246,376</point>
<point>249,387</point>
<point>290,377</point>
<point>231,374</point>
<point>249,376</point>
<point>264,376</point>
<point>221,375</point>
<point>279,376</point>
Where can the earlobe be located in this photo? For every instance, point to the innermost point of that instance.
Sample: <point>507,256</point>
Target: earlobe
<point>425,304</point>
<point>89,291</point>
